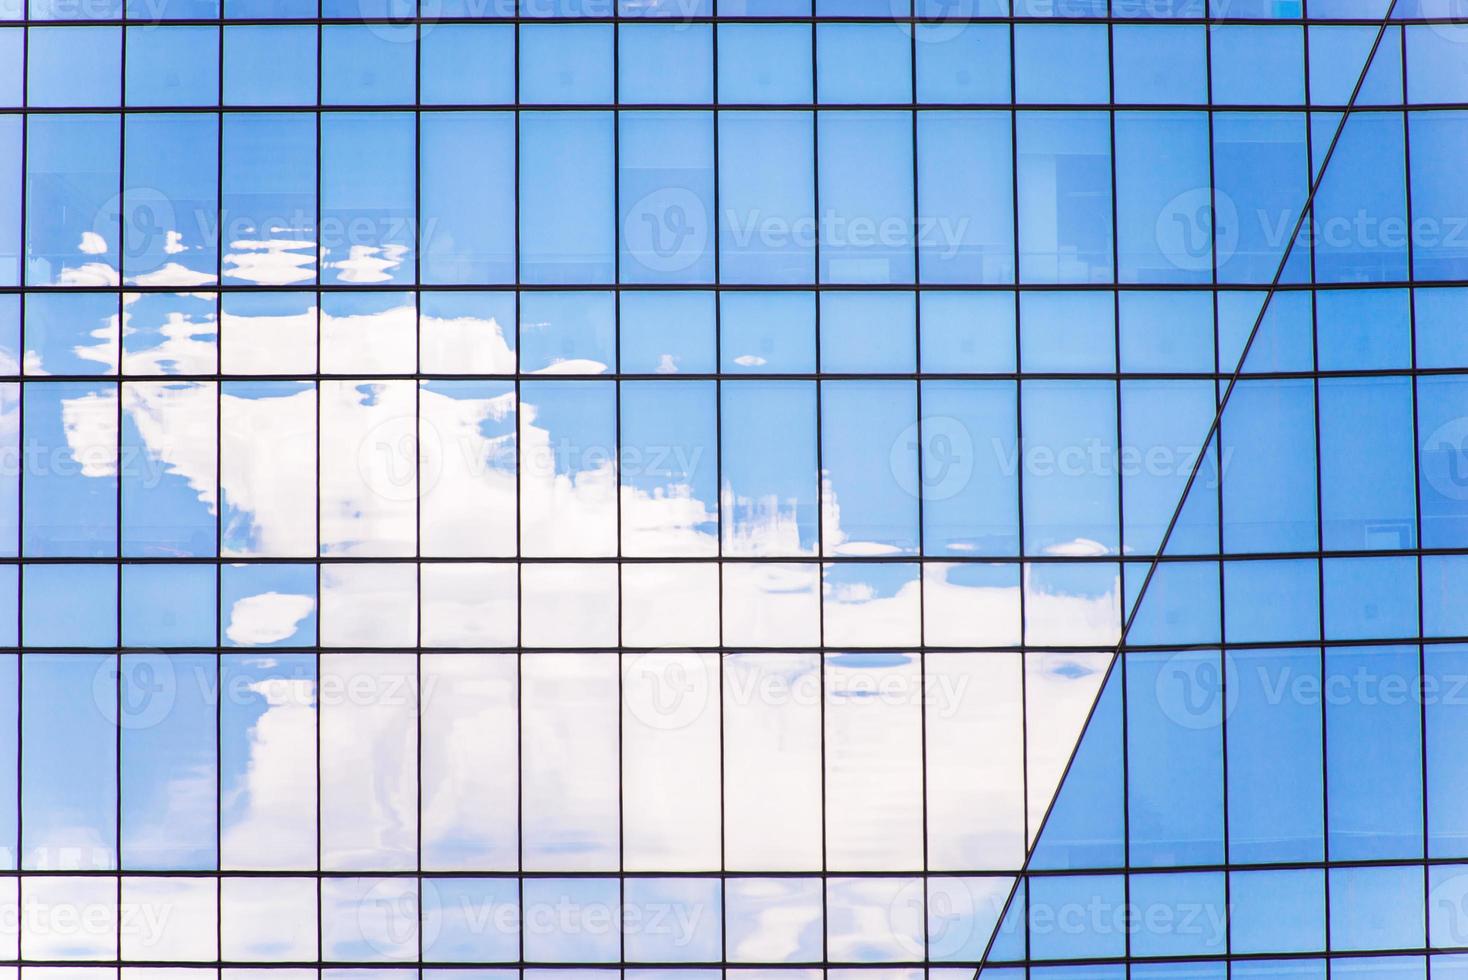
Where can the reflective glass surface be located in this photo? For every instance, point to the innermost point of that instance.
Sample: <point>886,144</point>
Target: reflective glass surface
<point>760,489</point>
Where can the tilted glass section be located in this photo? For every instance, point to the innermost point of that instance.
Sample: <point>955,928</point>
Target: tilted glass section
<point>1265,786</point>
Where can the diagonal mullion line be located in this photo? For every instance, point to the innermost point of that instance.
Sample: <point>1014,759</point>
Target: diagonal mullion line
<point>1317,180</point>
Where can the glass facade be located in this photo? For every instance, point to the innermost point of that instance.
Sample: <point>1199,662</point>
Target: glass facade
<point>583,489</point>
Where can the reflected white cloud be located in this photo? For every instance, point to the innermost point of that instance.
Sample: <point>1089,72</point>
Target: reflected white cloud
<point>465,345</point>
<point>366,264</point>
<point>271,261</point>
<point>277,787</point>
<point>266,618</point>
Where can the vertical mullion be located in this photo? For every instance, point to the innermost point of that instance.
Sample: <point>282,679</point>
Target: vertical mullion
<point>519,548</point>
<point>320,618</point>
<point>20,388</point>
<point>1022,882</point>
<point>1216,447</point>
<point>719,657</point>
<point>1422,703</point>
<point>219,494</point>
<point>1122,611</point>
<point>122,120</point>
<point>617,472</point>
<point>1309,218</point>
<point>417,443</point>
<point>917,385</point>
<point>815,121</point>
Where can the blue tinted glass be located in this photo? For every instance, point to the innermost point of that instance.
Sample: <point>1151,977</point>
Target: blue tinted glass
<point>567,333</point>
<point>1256,65</point>
<point>971,497</point>
<point>666,191</point>
<point>566,218</point>
<point>765,63</point>
<point>1337,55</point>
<point>566,63</point>
<point>865,185</point>
<point>665,63</point>
<point>868,332</point>
<point>965,227</point>
<point>12,78</point>
<point>1440,313</point>
<point>1162,178</point>
<point>964,331</point>
<point>1160,64</point>
<point>1174,762</point>
<point>468,63</point>
<point>69,605</point>
<point>1441,251</point>
<point>74,66</point>
<point>1435,70</point>
<point>168,605</point>
<point>962,62</point>
<point>1374,751</point>
<point>767,332</point>
<point>1364,328</point>
<point>767,219</point>
<point>1071,331</point>
<point>1166,331</point>
<point>269,65</point>
<point>1061,63</point>
<point>1277,911</point>
<point>1268,434</point>
<point>863,63</point>
<point>667,333</point>
<point>1276,799</point>
<point>1250,616</point>
<point>467,197</point>
<point>1377,908</point>
<point>1065,171</point>
<point>1368,499</point>
<point>365,66</point>
<point>367,197</point>
<point>172,66</point>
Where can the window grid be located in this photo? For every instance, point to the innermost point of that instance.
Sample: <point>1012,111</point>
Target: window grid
<point>818,380</point>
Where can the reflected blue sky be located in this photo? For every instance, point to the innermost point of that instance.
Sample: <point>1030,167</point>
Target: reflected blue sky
<point>575,487</point>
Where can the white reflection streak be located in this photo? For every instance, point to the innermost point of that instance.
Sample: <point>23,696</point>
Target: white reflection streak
<point>268,617</point>
<point>369,263</point>
<point>278,783</point>
<point>272,261</point>
<point>466,345</point>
